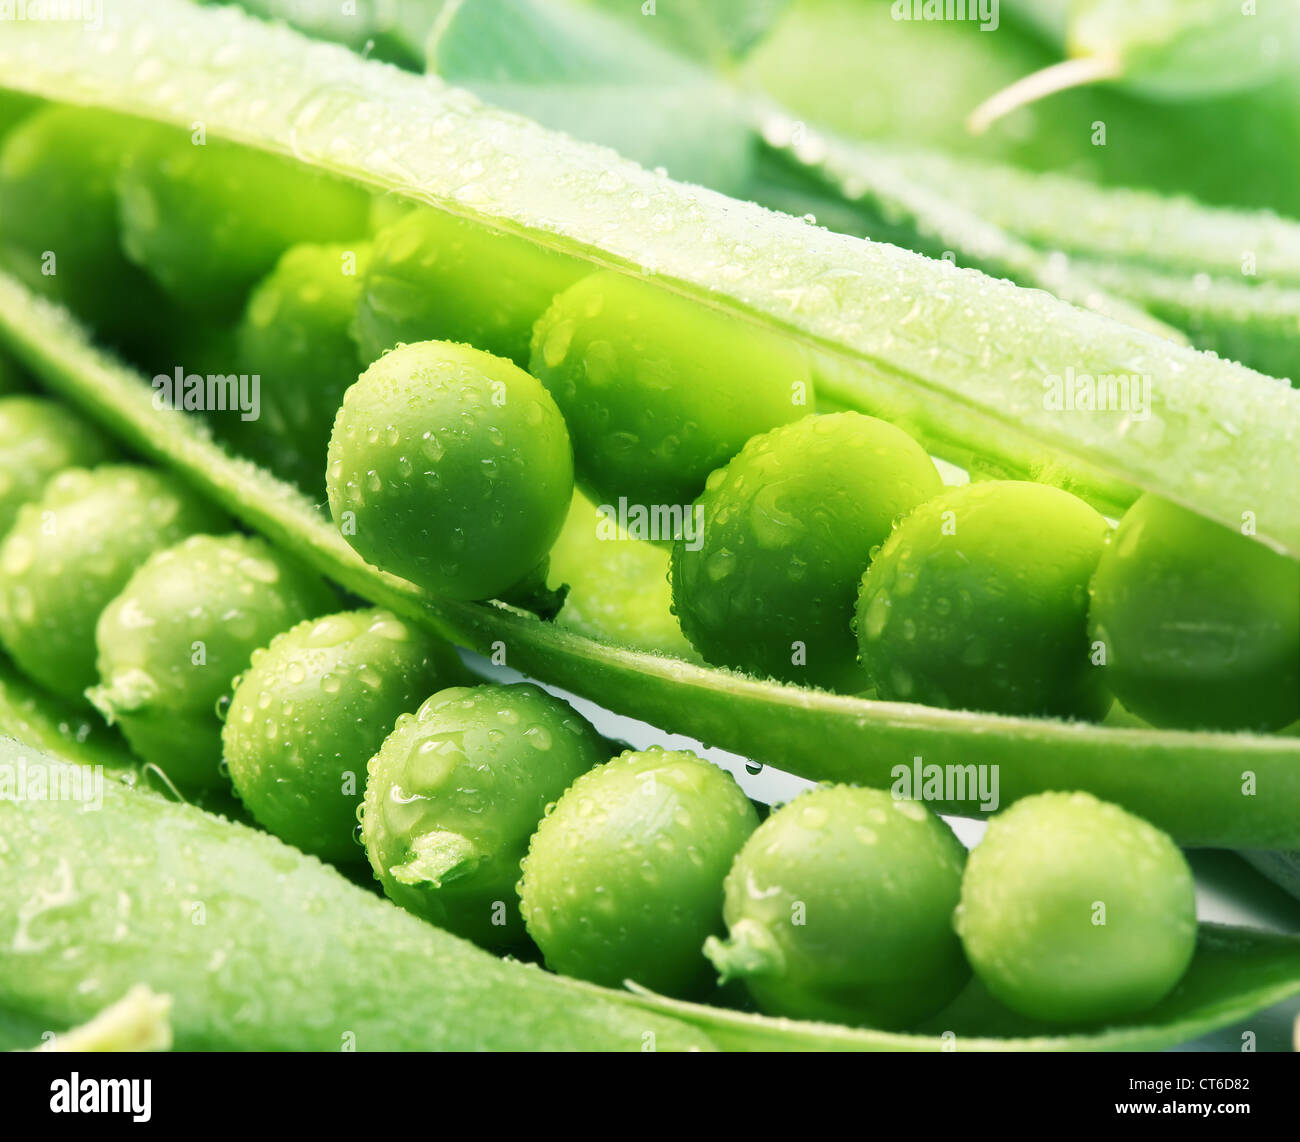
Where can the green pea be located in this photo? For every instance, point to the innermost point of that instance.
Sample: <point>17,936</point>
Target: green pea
<point>1201,624</point>
<point>58,218</point>
<point>454,794</point>
<point>435,277</point>
<point>659,390</point>
<point>295,336</point>
<point>311,711</point>
<point>171,643</point>
<point>38,439</point>
<point>623,879</point>
<point>979,601</point>
<point>70,551</point>
<point>840,908</point>
<point>207,219</point>
<point>451,468</point>
<point>1074,910</point>
<point>788,528</point>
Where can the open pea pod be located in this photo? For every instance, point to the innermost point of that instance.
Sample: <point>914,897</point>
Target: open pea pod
<point>269,949</point>
<point>1230,790</point>
<point>960,358</point>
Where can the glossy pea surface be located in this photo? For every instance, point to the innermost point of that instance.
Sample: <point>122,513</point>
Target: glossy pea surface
<point>71,551</point>
<point>451,468</point>
<point>38,439</point>
<point>1074,910</point>
<point>659,390</point>
<point>456,791</point>
<point>184,625</point>
<point>788,528</point>
<point>623,879</point>
<point>979,601</point>
<point>58,218</point>
<point>295,335</point>
<point>186,219</point>
<point>312,709</point>
<point>1201,624</point>
<point>435,277</point>
<point>840,908</point>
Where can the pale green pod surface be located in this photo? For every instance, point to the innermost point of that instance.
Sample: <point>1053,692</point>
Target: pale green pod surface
<point>207,219</point>
<point>979,601</point>
<point>171,643</point>
<point>435,277</point>
<point>58,218</point>
<point>786,530</point>
<point>295,335</point>
<point>451,468</point>
<point>454,794</point>
<point>310,712</point>
<point>659,390</point>
<point>1074,910</point>
<point>839,908</point>
<point>72,550</point>
<point>623,879</point>
<point>1200,624</point>
<point>38,439</point>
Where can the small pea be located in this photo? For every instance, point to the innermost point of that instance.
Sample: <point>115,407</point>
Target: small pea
<point>1200,624</point>
<point>455,792</point>
<point>184,207</point>
<point>451,468</point>
<point>435,277</point>
<point>58,218</point>
<point>623,880</point>
<point>70,551</point>
<point>311,711</point>
<point>787,530</point>
<point>659,390</point>
<point>38,439</point>
<point>184,625</point>
<point>1074,910</point>
<point>840,908</point>
<point>979,600</point>
<point>295,336</point>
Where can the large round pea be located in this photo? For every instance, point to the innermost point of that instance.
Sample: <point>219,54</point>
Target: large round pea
<point>38,439</point>
<point>311,711</point>
<point>435,277</point>
<point>840,908</point>
<point>295,336</point>
<point>979,601</point>
<point>451,468</point>
<point>207,219</point>
<point>1201,625</point>
<point>171,644</point>
<point>456,791</point>
<point>70,551</point>
<point>1074,910</point>
<point>623,879</point>
<point>58,218</point>
<point>788,528</point>
<point>658,390</point>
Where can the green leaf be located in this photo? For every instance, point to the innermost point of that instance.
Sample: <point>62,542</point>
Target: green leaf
<point>575,69</point>
<point>1189,784</point>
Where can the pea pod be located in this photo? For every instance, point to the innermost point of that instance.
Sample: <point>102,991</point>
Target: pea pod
<point>312,962</point>
<point>1188,784</point>
<point>882,310</point>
